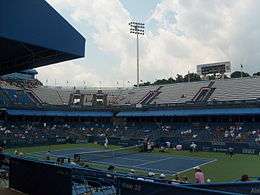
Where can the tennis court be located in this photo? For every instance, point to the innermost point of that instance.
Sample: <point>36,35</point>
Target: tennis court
<point>130,158</point>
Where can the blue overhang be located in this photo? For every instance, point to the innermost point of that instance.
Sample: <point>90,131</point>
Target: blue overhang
<point>191,112</point>
<point>33,34</point>
<point>59,113</point>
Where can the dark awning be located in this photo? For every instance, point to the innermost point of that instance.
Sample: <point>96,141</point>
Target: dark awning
<point>191,112</point>
<point>33,34</point>
<point>59,113</point>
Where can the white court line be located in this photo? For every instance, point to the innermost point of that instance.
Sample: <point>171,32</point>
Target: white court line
<point>155,161</point>
<point>183,171</point>
<point>64,150</point>
<point>132,159</point>
<point>132,166</point>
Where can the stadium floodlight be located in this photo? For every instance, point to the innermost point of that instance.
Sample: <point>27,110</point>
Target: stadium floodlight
<point>241,71</point>
<point>138,29</point>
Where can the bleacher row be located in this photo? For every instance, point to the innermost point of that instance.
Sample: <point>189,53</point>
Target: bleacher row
<point>223,90</point>
<point>26,133</point>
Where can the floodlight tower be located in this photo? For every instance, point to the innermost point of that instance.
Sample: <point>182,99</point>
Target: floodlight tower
<point>138,29</point>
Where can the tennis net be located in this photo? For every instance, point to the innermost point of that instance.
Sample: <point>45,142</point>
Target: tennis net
<point>104,154</point>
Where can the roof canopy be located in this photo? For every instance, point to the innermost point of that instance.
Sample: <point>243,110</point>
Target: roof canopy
<point>191,112</point>
<point>30,71</point>
<point>33,34</point>
<point>59,113</point>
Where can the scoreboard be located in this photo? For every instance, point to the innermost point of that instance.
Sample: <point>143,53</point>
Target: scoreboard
<point>214,68</point>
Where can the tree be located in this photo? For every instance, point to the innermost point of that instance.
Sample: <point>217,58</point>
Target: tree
<point>145,83</point>
<point>179,78</point>
<point>237,74</point>
<point>161,82</point>
<point>192,77</point>
<point>212,77</point>
<point>171,80</point>
<point>256,74</point>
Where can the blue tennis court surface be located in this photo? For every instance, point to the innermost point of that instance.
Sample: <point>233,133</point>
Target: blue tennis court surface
<point>162,163</point>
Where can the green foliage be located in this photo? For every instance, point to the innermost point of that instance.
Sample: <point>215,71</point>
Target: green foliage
<point>256,74</point>
<point>145,83</point>
<point>237,74</point>
<point>192,77</point>
<point>164,81</point>
<point>179,78</point>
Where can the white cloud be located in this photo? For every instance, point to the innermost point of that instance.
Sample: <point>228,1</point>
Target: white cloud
<point>74,72</point>
<point>188,32</point>
<point>214,30</point>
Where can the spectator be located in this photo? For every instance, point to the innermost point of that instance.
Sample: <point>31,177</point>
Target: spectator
<point>185,180</point>
<point>162,176</point>
<point>48,155</point>
<point>230,151</point>
<point>132,172</point>
<point>111,168</point>
<point>199,176</point>
<point>151,174</point>
<point>1,148</point>
<point>2,158</point>
<point>244,178</point>
<point>177,178</point>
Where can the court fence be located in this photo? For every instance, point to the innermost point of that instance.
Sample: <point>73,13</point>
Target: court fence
<point>72,180</point>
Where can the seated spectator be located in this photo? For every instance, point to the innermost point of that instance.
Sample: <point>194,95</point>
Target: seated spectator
<point>162,149</point>
<point>132,172</point>
<point>151,174</point>
<point>111,168</point>
<point>162,176</point>
<point>1,149</point>
<point>177,178</point>
<point>179,147</point>
<point>185,180</point>
<point>244,178</point>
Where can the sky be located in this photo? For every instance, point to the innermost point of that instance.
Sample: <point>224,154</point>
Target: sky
<point>179,35</point>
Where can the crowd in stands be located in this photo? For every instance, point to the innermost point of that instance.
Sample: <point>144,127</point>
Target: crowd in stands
<point>217,132</point>
<point>21,133</point>
<point>21,83</point>
<point>30,132</point>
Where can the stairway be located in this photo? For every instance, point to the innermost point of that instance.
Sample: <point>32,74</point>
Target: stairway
<point>149,97</point>
<point>204,93</point>
<point>33,97</point>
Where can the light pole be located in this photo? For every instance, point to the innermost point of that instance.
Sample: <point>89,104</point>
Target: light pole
<point>241,72</point>
<point>138,29</point>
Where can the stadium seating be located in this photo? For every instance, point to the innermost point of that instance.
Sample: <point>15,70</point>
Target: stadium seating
<point>237,89</point>
<point>179,92</point>
<point>222,90</point>
<point>18,96</point>
<point>48,95</point>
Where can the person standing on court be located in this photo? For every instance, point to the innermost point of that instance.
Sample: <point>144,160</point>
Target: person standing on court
<point>106,143</point>
<point>199,176</point>
<point>193,147</point>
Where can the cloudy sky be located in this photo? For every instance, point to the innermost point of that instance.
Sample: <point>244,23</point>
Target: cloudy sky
<point>179,35</point>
